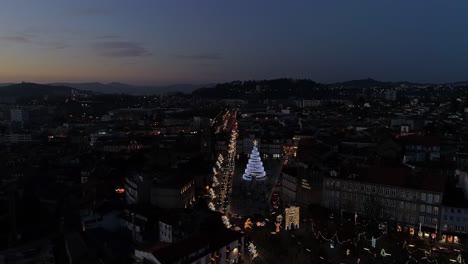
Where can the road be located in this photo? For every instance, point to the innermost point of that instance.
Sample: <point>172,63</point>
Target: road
<point>225,122</point>
<point>250,198</point>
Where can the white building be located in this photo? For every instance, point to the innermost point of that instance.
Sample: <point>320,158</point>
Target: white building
<point>385,193</point>
<point>454,224</point>
<point>19,115</point>
<point>165,232</point>
<point>461,174</point>
<point>269,148</point>
<point>17,138</point>
<point>137,190</point>
<point>308,103</point>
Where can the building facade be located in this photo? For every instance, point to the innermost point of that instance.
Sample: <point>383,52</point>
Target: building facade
<point>288,188</point>
<point>406,207</point>
<point>136,189</point>
<point>224,247</point>
<point>19,115</point>
<point>180,194</point>
<point>269,148</point>
<point>15,138</point>
<point>454,224</point>
<point>165,232</point>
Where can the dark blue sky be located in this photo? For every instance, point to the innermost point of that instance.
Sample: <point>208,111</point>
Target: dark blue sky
<point>161,42</point>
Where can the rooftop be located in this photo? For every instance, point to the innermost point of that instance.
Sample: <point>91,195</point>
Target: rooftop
<point>174,178</point>
<point>401,176</point>
<point>419,140</point>
<point>202,242</point>
<point>182,249</point>
<point>454,197</point>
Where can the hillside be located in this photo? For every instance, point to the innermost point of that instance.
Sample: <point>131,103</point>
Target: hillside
<point>268,89</point>
<point>122,88</point>
<point>292,88</point>
<point>362,83</point>
<point>33,90</point>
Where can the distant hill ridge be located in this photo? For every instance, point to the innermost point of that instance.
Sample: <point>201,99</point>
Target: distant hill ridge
<point>25,89</point>
<point>276,88</point>
<point>122,88</point>
<point>289,88</point>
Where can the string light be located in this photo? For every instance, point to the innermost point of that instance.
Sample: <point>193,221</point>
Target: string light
<point>226,221</point>
<point>427,255</point>
<point>223,166</point>
<point>253,250</point>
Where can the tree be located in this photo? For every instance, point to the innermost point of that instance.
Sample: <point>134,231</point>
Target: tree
<point>254,169</point>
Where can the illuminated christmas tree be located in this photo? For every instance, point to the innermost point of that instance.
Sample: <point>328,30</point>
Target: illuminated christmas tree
<point>254,169</point>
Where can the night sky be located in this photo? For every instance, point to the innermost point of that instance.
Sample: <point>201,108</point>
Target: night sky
<point>164,42</point>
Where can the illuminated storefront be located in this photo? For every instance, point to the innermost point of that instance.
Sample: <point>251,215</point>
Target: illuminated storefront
<point>450,239</point>
<point>291,217</point>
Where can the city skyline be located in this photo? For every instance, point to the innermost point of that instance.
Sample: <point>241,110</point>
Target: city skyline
<point>159,43</point>
<point>203,132</point>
